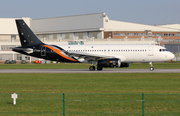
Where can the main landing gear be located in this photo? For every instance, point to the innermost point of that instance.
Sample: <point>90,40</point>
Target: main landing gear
<point>92,68</point>
<point>99,68</point>
<point>151,66</point>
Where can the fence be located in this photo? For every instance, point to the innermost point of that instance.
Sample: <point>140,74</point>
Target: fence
<point>91,104</point>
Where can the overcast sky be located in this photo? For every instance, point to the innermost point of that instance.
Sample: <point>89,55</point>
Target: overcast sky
<point>137,11</point>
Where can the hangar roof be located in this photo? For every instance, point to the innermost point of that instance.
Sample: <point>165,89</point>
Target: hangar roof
<point>81,23</point>
<point>89,22</point>
<point>127,26</point>
<point>170,26</point>
<point>77,23</point>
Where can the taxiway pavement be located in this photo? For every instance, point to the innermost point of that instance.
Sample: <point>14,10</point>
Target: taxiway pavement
<point>87,71</point>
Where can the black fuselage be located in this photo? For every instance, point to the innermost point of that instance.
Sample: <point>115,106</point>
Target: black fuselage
<point>53,53</point>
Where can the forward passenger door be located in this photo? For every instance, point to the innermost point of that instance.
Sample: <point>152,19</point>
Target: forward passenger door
<point>150,51</point>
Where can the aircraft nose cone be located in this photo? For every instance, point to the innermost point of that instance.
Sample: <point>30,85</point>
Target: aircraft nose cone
<point>171,55</point>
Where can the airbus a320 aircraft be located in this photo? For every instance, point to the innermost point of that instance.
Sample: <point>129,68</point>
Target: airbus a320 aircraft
<point>100,55</point>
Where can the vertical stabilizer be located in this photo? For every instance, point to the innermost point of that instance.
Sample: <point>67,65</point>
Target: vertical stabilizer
<point>27,37</point>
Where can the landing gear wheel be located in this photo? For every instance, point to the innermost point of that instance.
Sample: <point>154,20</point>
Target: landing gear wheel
<point>99,68</point>
<point>151,69</point>
<point>92,68</point>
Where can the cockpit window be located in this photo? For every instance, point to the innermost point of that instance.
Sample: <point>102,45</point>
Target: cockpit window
<point>162,50</point>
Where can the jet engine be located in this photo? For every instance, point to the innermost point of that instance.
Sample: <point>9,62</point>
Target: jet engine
<point>113,62</point>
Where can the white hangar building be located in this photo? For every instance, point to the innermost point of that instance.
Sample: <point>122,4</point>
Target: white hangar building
<point>89,27</point>
<point>97,26</point>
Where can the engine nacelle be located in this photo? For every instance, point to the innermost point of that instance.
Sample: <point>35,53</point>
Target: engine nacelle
<point>113,62</point>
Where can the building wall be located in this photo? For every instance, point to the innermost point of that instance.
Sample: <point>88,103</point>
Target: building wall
<point>168,37</point>
<point>175,48</point>
<point>73,35</point>
<point>8,25</point>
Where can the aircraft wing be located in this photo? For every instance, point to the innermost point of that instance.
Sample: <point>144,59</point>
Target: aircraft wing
<point>87,56</point>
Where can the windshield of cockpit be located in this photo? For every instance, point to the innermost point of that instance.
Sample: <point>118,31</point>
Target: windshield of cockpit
<point>162,50</point>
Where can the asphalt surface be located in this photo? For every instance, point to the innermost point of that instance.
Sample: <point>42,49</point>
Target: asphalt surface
<point>87,71</point>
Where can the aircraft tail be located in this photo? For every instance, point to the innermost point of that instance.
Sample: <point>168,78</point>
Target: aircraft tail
<point>27,37</point>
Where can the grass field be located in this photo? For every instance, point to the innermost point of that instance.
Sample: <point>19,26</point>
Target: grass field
<point>41,94</point>
<point>172,65</point>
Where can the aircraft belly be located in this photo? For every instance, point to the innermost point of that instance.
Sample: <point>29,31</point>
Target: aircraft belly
<point>57,57</point>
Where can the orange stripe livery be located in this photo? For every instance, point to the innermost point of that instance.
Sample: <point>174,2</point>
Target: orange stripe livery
<point>59,52</point>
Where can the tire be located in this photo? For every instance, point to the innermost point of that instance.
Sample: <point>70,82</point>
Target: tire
<point>151,68</point>
<point>99,68</point>
<point>92,68</point>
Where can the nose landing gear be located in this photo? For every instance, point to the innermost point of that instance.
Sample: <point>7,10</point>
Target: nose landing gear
<point>151,66</point>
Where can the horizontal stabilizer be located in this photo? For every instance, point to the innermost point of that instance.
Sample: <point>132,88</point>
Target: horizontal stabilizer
<point>27,50</point>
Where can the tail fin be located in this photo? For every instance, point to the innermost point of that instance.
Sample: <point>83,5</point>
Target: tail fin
<point>27,37</point>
